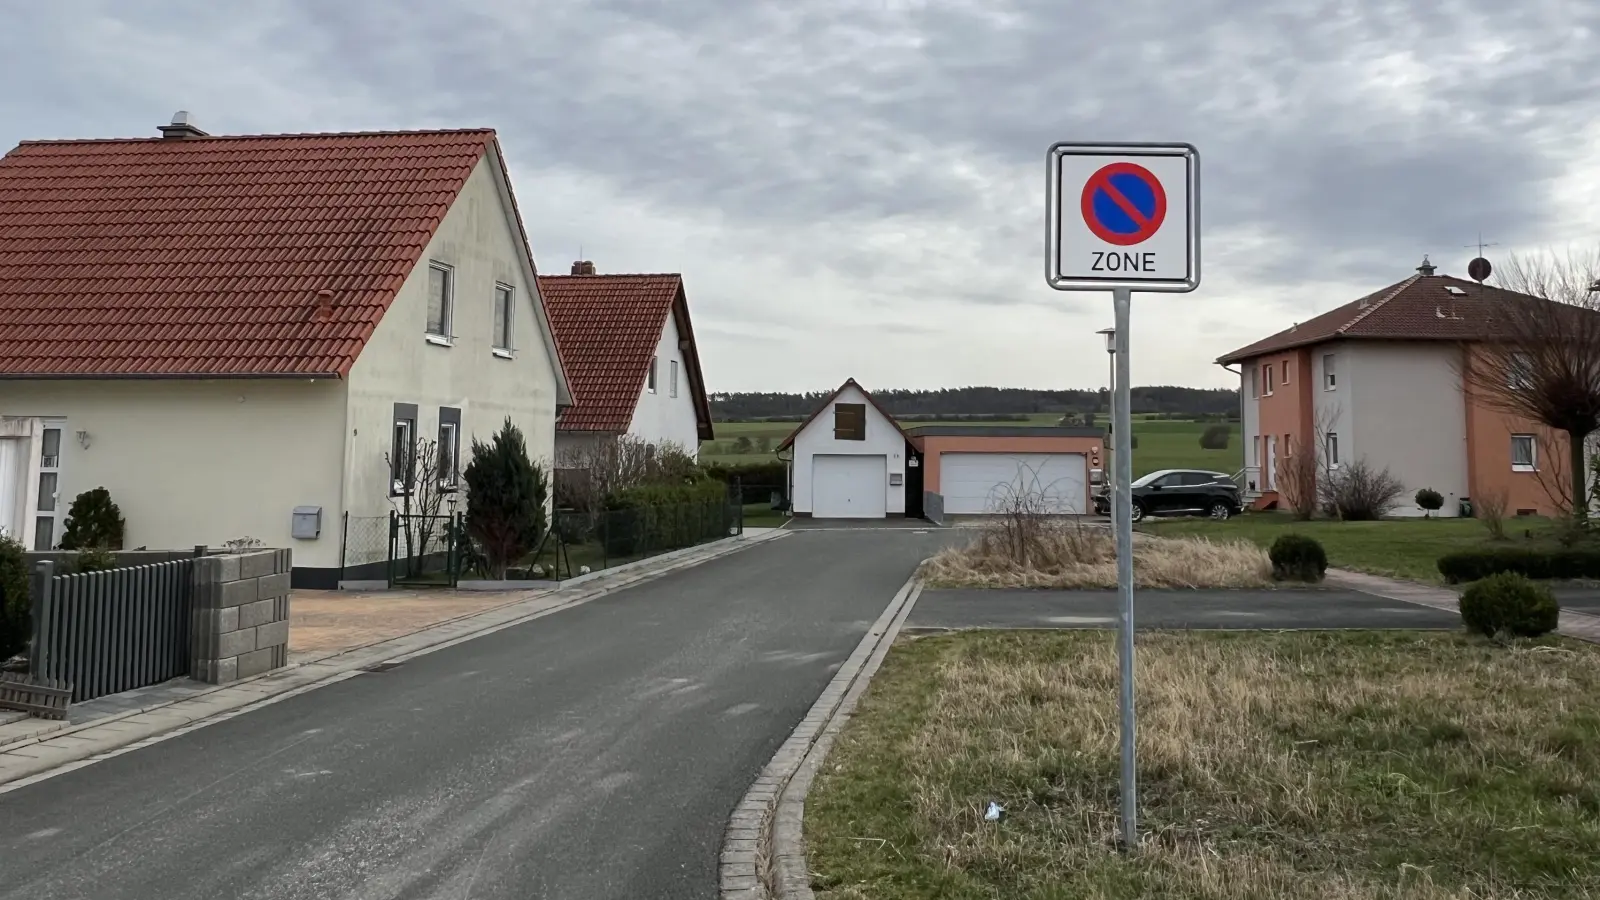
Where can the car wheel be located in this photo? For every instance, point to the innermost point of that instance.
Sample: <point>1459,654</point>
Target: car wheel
<point>1220,510</point>
<point>1138,513</point>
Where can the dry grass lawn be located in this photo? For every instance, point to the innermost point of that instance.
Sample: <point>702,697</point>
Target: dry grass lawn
<point>1066,555</point>
<point>1273,766</point>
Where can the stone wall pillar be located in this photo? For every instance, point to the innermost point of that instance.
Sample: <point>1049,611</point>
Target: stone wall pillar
<point>241,615</point>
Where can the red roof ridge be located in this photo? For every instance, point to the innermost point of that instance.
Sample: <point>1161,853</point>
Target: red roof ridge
<point>1373,307</point>
<point>157,139</point>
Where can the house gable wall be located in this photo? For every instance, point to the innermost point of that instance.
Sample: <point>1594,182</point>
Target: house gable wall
<point>883,439</point>
<point>659,417</point>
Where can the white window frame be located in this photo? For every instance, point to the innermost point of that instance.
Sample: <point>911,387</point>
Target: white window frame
<point>505,319</point>
<point>1532,465</point>
<point>1255,382</point>
<point>650,377</point>
<point>399,450</point>
<point>1518,374</point>
<point>672,378</point>
<point>1286,372</point>
<point>444,335</point>
<point>1330,372</point>
<point>1331,445</point>
<point>450,445</point>
<point>1266,378</point>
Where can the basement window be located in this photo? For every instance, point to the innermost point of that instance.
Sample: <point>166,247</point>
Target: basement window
<point>1524,453</point>
<point>849,421</point>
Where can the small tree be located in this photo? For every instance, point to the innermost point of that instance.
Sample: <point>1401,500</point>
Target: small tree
<point>593,471</point>
<point>1491,509</point>
<point>764,444</point>
<point>93,522</point>
<point>1429,501</point>
<point>418,491</point>
<point>1215,437</point>
<point>1539,355</point>
<point>506,496</point>
<point>742,445</point>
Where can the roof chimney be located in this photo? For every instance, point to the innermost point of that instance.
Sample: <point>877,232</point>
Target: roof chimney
<point>324,305</point>
<point>1427,268</point>
<point>583,267</point>
<point>181,127</point>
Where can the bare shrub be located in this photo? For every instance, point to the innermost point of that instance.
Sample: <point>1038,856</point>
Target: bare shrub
<point>1053,553</point>
<point>1297,483</point>
<point>588,473</point>
<point>1491,509</point>
<point>1358,491</point>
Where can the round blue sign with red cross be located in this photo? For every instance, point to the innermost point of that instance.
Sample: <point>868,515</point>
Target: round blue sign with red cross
<point>1123,204</point>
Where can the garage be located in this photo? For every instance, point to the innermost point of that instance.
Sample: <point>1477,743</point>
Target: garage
<point>979,483</point>
<point>849,487</point>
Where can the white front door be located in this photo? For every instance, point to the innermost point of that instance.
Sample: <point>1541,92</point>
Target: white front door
<point>1269,472</point>
<point>849,487</point>
<point>978,483</point>
<point>49,510</point>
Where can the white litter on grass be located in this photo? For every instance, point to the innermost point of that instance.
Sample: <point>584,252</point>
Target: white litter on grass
<point>994,812</point>
<point>583,570</point>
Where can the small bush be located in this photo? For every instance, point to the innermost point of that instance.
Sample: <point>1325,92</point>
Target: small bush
<point>1472,565</point>
<point>1215,437</point>
<point>1357,492</point>
<point>1509,604</point>
<point>94,559</point>
<point>93,521</point>
<point>15,607</point>
<point>1297,557</point>
<point>1429,500</point>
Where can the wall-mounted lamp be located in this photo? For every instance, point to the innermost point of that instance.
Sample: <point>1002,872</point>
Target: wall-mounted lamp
<point>83,439</point>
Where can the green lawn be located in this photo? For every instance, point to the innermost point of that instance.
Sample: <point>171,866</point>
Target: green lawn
<point>1272,766</point>
<point>1163,444</point>
<point>1401,548</point>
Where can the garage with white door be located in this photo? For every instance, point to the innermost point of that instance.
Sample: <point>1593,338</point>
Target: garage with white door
<point>849,487</point>
<point>979,483</point>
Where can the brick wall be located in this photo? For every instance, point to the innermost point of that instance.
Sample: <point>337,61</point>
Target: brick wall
<point>241,615</point>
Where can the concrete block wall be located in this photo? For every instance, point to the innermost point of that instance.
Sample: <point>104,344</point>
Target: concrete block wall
<point>241,615</point>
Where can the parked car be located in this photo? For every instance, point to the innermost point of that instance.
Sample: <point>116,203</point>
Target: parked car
<point>1179,492</point>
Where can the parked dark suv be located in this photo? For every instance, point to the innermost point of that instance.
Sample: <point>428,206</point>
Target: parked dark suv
<point>1179,492</point>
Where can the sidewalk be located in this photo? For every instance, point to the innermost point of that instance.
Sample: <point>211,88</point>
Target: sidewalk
<point>338,644</point>
<point>1572,624</point>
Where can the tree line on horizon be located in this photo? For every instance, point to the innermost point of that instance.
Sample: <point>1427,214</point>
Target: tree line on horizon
<point>986,402</point>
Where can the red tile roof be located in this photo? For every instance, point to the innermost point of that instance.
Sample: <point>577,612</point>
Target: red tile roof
<point>607,328</point>
<point>825,404</point>
<point>1419,308</point>
<point>203,256</point>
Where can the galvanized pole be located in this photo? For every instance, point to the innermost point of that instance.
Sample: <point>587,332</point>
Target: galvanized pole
<point>1122,500</point>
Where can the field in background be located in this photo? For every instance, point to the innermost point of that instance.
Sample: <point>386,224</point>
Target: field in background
<point>1163,444</point>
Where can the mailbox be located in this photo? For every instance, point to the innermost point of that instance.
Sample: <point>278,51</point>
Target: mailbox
<point>307,524</point>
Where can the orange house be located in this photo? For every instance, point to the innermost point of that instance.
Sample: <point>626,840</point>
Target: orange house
<point>1380,380</point>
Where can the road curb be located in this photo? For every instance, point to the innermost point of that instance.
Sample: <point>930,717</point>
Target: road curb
<point>763,848</point>
<point>50,753</point>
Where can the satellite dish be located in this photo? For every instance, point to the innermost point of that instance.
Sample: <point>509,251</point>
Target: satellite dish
<point>1479,269</point>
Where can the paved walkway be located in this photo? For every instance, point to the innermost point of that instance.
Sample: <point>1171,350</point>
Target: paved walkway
<point>1575,624</point>
<point>324,622</point>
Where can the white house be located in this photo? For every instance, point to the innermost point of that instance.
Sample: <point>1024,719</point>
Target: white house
<point>628,347</point>
<point>848,460</point>
<point>232,334</point>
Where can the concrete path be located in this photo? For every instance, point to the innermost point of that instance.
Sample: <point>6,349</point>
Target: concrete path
<point>1159,609</point>
<point>1575,621</point>
<point>594,753</point>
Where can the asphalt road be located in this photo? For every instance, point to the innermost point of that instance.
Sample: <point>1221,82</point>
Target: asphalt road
<point>1155,609</point>
<point>1581,599</point>
<point>592,754</point>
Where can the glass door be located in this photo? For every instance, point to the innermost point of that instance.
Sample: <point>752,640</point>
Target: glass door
<point>49,510</point>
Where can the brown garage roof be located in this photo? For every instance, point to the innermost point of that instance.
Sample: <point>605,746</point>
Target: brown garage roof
<point>608,328</point>
<point>203,256</point>
<point>1420,308</point>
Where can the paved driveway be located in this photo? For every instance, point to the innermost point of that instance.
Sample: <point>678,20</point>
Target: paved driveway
<point>1317,608</point>
<point>1584,600</point>
<point>596,753</point>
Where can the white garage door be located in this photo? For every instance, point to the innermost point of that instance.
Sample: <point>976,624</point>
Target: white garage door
<point>849,487</point>
<point>977,483</point>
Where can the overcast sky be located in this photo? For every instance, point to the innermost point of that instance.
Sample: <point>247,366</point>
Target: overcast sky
<point>856,187</point>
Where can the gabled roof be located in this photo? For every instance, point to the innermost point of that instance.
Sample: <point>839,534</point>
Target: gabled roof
<point>203,256</point>
<point>823,406</point>
<point>1420,308</point>
<point>608,328</point>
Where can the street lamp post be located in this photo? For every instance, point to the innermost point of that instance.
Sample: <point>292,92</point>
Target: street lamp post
<point>1110,334</point>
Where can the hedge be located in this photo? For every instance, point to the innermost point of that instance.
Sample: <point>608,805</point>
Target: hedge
<point>757,480</point>
<point>1473,565</point>
<point>656,517</point>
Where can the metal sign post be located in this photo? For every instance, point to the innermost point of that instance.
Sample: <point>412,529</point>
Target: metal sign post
<point>1123,217</point>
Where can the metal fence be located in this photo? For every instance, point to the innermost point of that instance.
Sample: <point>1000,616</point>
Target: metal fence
<point>422,550</point>
<point>364,547</point>
<point>111,631</point>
